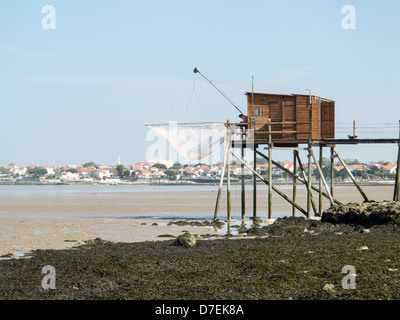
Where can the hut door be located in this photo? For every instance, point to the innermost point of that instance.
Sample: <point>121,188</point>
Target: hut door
<point>327,120</point>
<point>289,116</point>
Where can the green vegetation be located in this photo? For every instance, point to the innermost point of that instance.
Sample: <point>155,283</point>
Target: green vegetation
<point>37,171</point>
<point>159,166</point>
<point>89,164</point>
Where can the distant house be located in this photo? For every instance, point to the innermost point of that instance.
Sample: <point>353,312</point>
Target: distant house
<point>21,171</point>
<point>357,167</point>
<point>69,176</point>
<point>374,166</point>
<point>390,168</point>
<point>288,165</point>
<point>102,174</point>
<point>84,171</point>
<point>50,170</point>
<point>144,174</point>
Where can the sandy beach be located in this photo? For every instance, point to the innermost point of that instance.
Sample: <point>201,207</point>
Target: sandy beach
<point>53,221</point>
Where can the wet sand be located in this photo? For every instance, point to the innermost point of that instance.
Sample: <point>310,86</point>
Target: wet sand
<point>55,222</point>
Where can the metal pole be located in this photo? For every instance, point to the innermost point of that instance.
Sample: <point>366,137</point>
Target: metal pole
<point>197,71</point>
<point>254,155</point>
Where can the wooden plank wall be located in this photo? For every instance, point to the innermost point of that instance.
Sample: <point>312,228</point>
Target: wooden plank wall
<point>303,117</point>
<point>328,120</point>
<point>316,118</point>
<point>292,108</point>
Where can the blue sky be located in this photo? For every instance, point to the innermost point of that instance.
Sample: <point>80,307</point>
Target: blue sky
<point>85,90</point>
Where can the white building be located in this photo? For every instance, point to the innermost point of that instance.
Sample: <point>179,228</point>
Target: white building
<point>50,170</point>
<point>69,176</point>
<point>102,173</point>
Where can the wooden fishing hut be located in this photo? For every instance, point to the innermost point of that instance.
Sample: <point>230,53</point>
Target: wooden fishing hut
<point>291,122</point>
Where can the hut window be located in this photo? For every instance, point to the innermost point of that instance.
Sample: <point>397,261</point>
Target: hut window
<point>259,112</point>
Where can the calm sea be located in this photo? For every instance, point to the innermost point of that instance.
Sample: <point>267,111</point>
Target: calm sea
<point>17,190</point>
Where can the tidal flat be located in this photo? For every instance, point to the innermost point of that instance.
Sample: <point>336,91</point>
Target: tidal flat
<point>293,259</point>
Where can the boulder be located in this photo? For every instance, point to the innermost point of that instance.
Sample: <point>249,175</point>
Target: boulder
<point>185,240</point>
<point>366,213</point>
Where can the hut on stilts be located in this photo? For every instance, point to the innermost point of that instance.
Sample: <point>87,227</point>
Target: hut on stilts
<point>292,122</point>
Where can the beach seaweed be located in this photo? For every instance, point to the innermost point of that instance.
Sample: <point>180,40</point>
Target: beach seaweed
<point>293,258</point>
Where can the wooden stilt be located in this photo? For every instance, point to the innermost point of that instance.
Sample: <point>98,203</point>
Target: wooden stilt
<point>332,170</point>
<point>396,195</point>
<point>254,184</point>
<point>322,178</point>
<point>228,186</point>
<point>243,193</point>
<point>320,181</point>
<point>294,181</point>
<point>227,148</point>
<point>309,194</point>
<point>351,176</point>
<point>303,172</point>
<point>269,171</point>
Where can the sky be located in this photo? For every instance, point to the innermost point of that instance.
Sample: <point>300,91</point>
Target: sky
<point>84,88</point>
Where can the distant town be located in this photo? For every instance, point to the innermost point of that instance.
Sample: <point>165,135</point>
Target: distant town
<point>166,171</point>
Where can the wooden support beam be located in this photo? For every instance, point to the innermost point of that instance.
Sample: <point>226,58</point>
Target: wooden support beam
<point>228,188</point>
<point>309,192</point>
<point>304,181</point>
<point>269,172</point>
<point>322,177</point>
<point>351,176</point>
<point>254,184</point>
<point>267,183</point>
<point>294,181</point>
<point>243,192</point>
<point>396,195</point>
<point>320,181</point>
<point>221,182</point>
<point>332,170</point>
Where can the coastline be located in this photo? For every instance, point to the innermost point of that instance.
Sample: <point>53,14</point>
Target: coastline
<point>189,183</point>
